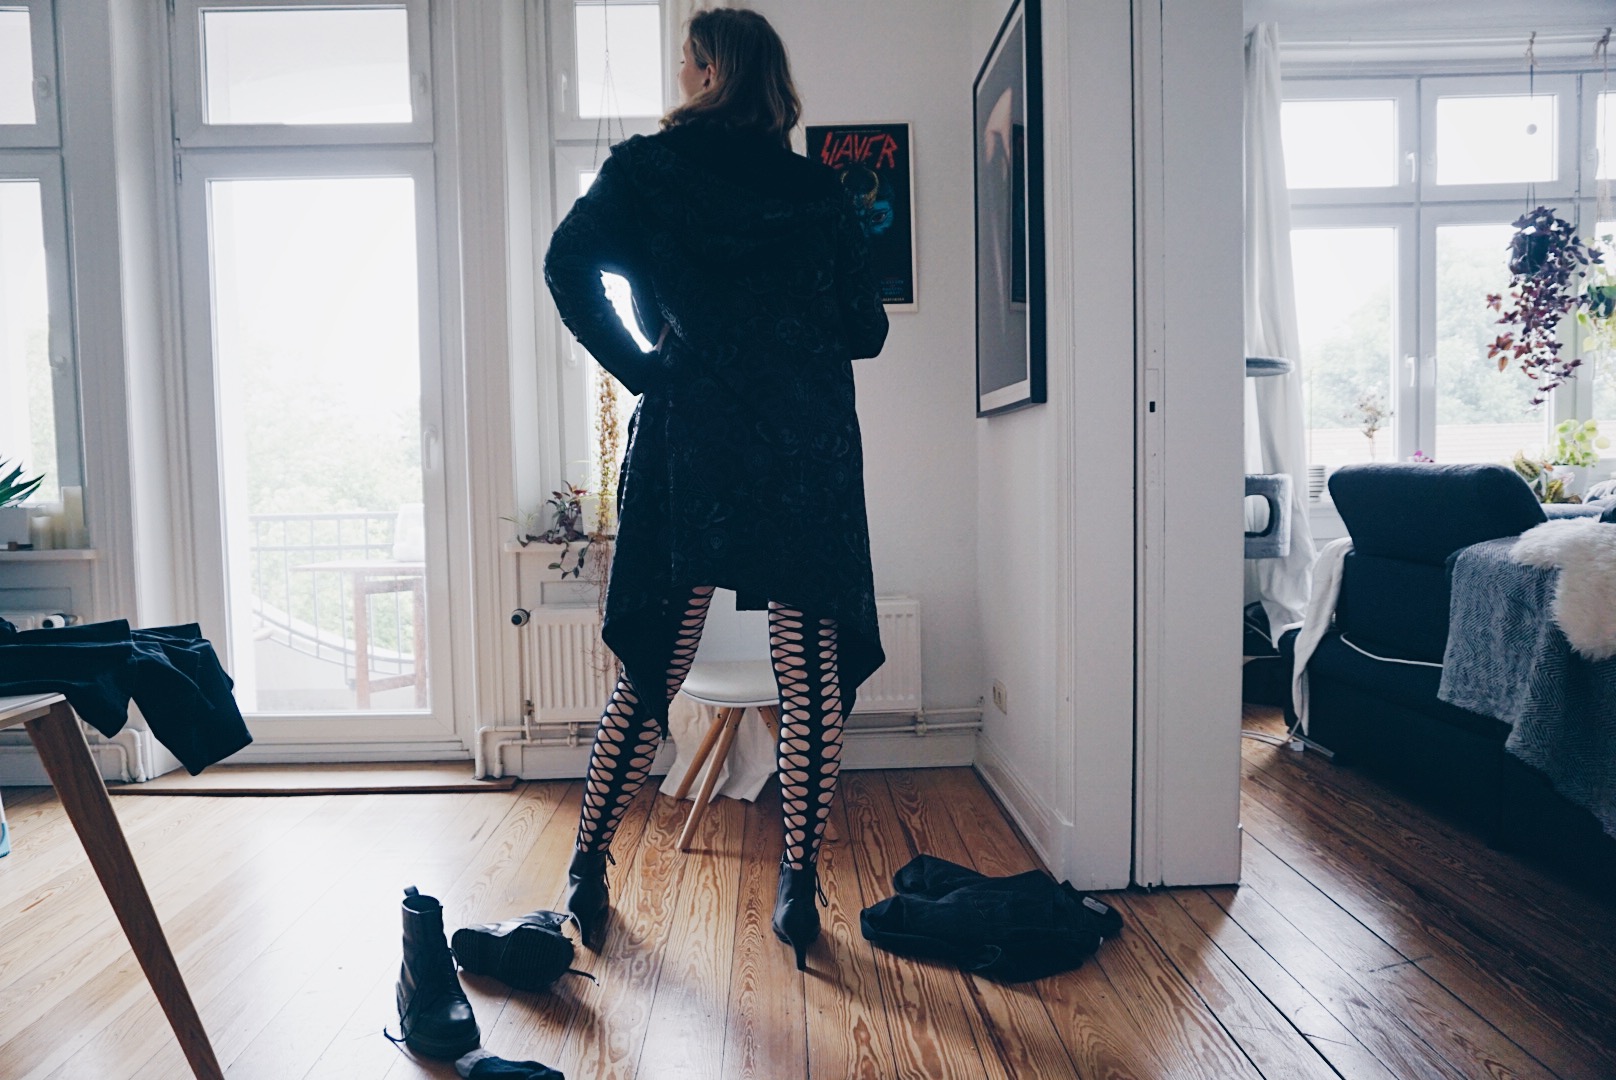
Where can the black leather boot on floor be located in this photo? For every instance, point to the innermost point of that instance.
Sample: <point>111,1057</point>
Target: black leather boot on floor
<point>796,919</point>
<point>528,952</point>
<point>587,898</point>
<point>434,1016</point>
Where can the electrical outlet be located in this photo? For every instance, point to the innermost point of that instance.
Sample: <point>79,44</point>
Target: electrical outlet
<point>1000,697</point>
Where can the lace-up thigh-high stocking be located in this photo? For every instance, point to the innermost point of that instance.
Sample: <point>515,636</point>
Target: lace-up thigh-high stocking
<point>626,742</point>
<point>805,670</point>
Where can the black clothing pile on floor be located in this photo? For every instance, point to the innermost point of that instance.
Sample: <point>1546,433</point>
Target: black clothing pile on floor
<point>481,1065</point>
<point>1008,928</point>
<point>171,672</point>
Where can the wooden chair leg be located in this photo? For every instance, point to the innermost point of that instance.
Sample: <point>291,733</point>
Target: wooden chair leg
<point>66,757</point>
<point>731,721</point>
<point>706,747</point>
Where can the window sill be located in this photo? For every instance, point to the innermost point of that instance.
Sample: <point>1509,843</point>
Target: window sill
<point>49,555</point>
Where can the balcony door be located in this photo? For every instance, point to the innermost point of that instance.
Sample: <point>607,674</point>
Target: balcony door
<point>309,272</point>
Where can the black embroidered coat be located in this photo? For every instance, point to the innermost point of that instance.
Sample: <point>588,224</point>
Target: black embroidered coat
<point>744,464</point>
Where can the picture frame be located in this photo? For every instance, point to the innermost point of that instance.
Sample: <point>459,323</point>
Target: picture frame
<point>875,161</point>
<point>1008,171</point>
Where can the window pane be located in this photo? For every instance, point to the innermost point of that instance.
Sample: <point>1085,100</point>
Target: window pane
<point>27,398</point>
<point>1482,414</point>
<point>1337,144</point>
<point>16,68</point>
<point>619,59</point>
<point>317,349</point>
<point>308,66</point>
<point>1496,139</point>
<point>1605,137</point>
<point>1344,306</point>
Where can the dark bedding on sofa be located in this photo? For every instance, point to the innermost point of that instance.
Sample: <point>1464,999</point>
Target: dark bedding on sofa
<point>1506,658</point>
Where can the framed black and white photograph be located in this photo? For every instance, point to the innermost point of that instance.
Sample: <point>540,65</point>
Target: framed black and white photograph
<point>1009,168</point>
<point>873,161</point>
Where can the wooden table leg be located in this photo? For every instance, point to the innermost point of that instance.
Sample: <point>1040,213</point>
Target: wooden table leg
<point>66,757</point>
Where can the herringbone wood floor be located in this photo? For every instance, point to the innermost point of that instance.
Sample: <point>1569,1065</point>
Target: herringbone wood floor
<point>1369,939</point>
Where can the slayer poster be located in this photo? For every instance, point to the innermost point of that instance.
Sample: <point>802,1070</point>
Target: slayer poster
<point>874,164</point>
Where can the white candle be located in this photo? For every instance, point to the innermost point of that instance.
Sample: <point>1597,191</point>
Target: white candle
<point>73,532</point>
<point>39,531</point>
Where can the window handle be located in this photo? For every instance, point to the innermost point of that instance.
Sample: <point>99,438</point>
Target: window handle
<point>431,449</point>
<point>42,87</point>
<point>1413,167</point>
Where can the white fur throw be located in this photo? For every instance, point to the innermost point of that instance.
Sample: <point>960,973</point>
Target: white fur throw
<point>1584,551</point>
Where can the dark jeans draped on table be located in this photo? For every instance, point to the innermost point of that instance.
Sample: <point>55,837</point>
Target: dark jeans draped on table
<point>171,673</point>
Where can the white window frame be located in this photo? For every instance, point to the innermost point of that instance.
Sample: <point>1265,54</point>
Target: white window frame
<point>566,125</point>
<point>1403,92</point>
<point>44,167</point>
<point>1423,206</point>
<point>46,129</point>
<point>577,145</point>
<point>1568,130</point>
<point>192,130</point>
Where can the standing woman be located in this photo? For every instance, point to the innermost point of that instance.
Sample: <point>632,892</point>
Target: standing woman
<point>744,467</point>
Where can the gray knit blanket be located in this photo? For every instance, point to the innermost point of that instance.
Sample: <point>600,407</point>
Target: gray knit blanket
<point>1506,658</point>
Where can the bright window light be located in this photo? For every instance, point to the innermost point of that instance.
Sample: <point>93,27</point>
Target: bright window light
<point>1345,280</point>
<point>27,396</point>
<point>16,68</point>
<point>1498,139</point>
<point>1340,144</point>
<point>619,59</point>
<point>307,66</point>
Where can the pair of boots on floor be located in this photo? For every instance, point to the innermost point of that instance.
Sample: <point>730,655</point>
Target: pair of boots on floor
<point>434,1016</point>
<point>803,652</point>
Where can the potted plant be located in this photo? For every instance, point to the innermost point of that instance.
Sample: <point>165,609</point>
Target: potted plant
<point>1547,263</point>
<point>566,527</point>
<point>13,515</point>
<point>1575,452</point>
<point>1540,477</point>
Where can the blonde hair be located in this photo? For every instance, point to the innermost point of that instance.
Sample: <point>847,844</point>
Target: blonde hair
<point>753,88</point>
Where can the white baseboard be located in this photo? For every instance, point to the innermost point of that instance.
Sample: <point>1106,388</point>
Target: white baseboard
<point>20,766</point>
<point>1037,819</point>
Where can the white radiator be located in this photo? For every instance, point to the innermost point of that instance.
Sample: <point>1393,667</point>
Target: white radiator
<point>568,673</point>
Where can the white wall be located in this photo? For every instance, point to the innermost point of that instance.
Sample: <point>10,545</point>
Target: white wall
<point>1056,569</point>
<point>902,60</point>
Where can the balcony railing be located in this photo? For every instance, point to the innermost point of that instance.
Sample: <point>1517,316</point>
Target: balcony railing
<point>303,599</point>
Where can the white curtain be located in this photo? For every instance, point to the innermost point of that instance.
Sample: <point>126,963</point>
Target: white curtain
<point>1276,427</point>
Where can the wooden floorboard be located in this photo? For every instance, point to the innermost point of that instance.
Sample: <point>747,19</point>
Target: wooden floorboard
<point>1369,939</point>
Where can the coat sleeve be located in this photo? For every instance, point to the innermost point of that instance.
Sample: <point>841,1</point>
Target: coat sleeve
<point>597,236</point>
<point>864,317</point>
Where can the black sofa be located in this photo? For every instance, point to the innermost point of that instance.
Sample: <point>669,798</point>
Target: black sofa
<point>1407,521</point>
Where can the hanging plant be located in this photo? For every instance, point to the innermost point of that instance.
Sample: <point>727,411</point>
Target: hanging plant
<point>1547,264</point>
<point>1596,314</point>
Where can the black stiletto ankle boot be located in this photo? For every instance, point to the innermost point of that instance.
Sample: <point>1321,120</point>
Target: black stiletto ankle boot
<point>587,898</point>
<point>796,919</point>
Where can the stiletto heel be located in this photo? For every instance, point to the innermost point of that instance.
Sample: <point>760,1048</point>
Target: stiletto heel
<point>587,898</point>
<point>796,919</point>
